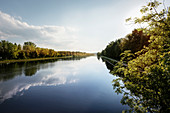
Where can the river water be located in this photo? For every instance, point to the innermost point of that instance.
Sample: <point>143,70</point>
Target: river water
<point>62,86</point>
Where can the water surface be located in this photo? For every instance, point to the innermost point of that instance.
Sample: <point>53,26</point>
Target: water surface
<point>64,86</point>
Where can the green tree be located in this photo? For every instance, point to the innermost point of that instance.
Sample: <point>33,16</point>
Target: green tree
<point>147,76</point>
<point>19,47</point>
<point>134,41</point>
<point>22,55</point>
<point>8,50</point>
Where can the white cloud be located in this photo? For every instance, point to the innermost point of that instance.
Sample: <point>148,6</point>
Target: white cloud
<point>56,37</point>
<point>49,76</point>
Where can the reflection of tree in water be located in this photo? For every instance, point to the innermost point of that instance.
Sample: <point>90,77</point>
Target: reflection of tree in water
<point>109,66</point>
<point>30,68</point>
<point>75,58</point>
<point>150,93</point>
<point>11,70</point>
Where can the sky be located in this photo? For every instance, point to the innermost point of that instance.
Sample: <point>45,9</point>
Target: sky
<point>72,25</point>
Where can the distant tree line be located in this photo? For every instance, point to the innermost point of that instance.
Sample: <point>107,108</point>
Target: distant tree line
<point>29,50</point>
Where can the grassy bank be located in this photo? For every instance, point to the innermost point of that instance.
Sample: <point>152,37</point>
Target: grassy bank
<point>38,59</point>
<point>34,59</point>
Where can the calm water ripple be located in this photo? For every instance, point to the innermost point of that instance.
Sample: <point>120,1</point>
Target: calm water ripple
<point>65,86</point>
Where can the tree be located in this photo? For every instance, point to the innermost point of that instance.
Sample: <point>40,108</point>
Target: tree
<point>51,53</point>
<point>147,76</point>
<point>8,50</point>
<point>19,47</point>
<point>29,44</point>
<point>134,41</point>
<point>22,55</point>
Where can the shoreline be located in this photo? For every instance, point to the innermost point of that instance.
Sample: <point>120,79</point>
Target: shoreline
<point>33,59</point>
<point>38,59</point>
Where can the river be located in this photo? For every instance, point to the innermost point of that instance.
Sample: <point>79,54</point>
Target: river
<point>61,86</point>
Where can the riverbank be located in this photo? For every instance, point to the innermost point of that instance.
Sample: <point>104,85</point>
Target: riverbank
<point>38,59</point>
<point>34,59</point>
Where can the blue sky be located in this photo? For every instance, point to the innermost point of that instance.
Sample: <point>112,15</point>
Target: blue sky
<point>76,25</point>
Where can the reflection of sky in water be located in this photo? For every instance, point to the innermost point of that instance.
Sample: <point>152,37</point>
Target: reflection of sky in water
<point>80,86</point>
<point>63,72</point>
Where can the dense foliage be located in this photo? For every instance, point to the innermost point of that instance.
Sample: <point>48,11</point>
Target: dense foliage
<point>9,50</point>
<point>146,76</point>
<point>134,42</point>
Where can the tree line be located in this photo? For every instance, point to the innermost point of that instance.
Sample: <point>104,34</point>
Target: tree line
<point>29,50</point>
<point>146,51</point>
<point>134,42</point>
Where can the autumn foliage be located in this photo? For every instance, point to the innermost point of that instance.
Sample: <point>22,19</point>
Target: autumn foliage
<point>146,77</point>
<point>29,50</point>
